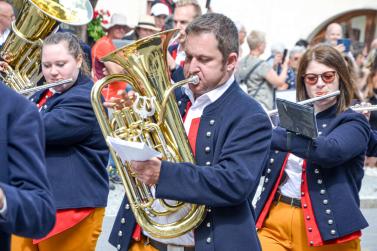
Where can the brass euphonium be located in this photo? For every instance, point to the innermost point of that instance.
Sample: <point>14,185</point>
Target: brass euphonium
<point>36,20</point>
<point>153,119</point>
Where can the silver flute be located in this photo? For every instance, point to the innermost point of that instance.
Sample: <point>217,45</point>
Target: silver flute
<point>309,101</point>
<point>45,86</point>
<point>369,108</point>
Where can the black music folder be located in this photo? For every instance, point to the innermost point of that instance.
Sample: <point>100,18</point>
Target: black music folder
<point>297,118</point>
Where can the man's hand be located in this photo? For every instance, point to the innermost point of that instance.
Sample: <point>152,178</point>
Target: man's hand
<point>122,100</point>
<point>3,66</point>
<point>148,171</point>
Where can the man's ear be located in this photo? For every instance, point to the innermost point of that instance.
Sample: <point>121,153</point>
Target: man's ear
<point>232,61</point>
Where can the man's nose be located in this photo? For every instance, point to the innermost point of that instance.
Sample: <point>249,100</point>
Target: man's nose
<point>193,66</point>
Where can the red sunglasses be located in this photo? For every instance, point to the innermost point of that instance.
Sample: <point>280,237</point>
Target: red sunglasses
<point>327,77</point>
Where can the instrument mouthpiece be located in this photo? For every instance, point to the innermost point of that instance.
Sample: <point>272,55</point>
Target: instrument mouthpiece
<point>194,79</point>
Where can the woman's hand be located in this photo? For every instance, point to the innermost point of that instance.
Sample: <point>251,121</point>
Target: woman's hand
<point>122,100</point>
<point>365,112</point>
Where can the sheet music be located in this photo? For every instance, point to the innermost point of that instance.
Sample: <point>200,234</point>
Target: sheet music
<point>128,150</point>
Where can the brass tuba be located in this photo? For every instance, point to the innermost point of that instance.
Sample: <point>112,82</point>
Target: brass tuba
<point>36,20</point>
<point>153,119</point>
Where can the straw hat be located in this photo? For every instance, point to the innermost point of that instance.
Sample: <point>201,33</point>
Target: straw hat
<point>147,22</point>
<point>116,19</point>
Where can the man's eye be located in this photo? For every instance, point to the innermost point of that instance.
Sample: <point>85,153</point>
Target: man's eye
<point>204,60</point>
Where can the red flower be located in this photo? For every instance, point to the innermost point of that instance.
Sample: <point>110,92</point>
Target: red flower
<point>95,29</point>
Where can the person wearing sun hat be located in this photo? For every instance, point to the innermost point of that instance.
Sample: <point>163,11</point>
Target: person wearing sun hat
<point>146,26</point>
<point>160,12</point>
<point>117,28</point>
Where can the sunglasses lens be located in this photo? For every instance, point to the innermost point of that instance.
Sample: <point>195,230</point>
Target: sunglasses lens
<point>311,79</point>
<point>328,77</point>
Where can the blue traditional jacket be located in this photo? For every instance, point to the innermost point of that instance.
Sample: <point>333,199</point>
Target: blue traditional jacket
<point>76,151</point>
<point>333,174</point>
<point>232,146</point>
<point>23,178</point>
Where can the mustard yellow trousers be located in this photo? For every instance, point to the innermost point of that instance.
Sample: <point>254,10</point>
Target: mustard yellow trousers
<point>81,237</point>
<point>284,230</point>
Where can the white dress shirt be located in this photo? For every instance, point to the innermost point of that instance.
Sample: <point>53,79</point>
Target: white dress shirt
<point>4,36</point>
<point>4,209</point>
<point>292,185</point>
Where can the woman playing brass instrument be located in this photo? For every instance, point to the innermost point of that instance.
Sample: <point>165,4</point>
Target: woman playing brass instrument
<point>309,199</point>
<point>76,153</point>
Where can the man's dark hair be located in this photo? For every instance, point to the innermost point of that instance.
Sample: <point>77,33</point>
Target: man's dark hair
<point>302,42</point>
<point>222,27</point>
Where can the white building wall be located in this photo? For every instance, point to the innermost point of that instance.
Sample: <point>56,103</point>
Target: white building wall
<point>283,21</point>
